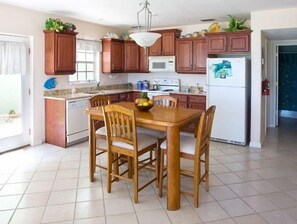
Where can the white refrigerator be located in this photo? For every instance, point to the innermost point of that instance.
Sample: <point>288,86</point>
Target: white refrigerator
<point>228,88</point>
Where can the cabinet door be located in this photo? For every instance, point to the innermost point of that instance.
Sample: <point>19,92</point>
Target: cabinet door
<point>114,98</point>
<point>117,53</point>
<point>66,53</point>
<point>197,102</point>
<point>136,95</point>
<point>182,100</point>
<point>130,97</point>
<point>156,49</point>
<point>239,42</point>
<point>168,44</point>
<point>184,56</point>
<point>217,44</point>
<point>199,56</point>
<point>143,59</point>
<point>131,57</point>
<point>122,97</point>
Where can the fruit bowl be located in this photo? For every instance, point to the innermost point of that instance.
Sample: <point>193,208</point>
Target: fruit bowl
<point>143,108</point>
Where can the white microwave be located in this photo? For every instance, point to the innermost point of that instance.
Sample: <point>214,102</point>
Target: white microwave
<point>162,64</point>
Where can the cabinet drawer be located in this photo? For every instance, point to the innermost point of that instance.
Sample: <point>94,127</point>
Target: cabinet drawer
<point>200,106</point>
<point>181,98</point>
<point>197,99</point>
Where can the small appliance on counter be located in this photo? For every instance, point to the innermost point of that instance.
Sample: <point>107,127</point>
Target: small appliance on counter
<point>143,85</point>
<point>146,84</point>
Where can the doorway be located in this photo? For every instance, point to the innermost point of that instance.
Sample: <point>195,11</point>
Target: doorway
<point>287,76</point>
<point>283,80</point>
<point>14,92</point>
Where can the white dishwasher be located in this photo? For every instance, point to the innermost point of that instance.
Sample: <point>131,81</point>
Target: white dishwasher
<point>76,120</point>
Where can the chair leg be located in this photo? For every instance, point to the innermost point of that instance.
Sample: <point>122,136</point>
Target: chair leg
<point>157,165</point>
<point>109,170</point>
<point>196,184</point>
<point>135,180</point>
<point>130,168</point>
<point>207,170</point>
<point>161,172</point>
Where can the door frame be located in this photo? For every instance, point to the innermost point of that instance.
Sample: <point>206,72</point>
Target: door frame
<point>273,77</point>
<point>24,138</point>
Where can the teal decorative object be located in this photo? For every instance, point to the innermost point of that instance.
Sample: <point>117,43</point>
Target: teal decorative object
<point>50,83</point>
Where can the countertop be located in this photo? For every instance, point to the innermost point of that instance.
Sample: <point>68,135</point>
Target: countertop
<point>106,92</point>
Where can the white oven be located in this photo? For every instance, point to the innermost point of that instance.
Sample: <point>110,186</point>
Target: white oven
<point>164,87</point>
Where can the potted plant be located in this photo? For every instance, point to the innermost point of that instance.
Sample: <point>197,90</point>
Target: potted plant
<point>236,24</point>
<point>57,25</point>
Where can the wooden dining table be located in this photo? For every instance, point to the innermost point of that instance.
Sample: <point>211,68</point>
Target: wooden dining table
<point>170,120</point>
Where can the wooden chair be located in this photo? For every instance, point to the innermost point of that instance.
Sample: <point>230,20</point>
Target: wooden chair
<point>100,134</point>
<point>193,149</point>
<point>123,140</point>
<point>164,101</point>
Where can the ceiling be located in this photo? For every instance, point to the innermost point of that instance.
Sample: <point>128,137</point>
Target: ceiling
<point>166,13</point>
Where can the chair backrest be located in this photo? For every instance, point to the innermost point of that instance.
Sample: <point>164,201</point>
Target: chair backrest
<point>165,100</point>
<point>204,131</point>
<point>120,124</point>
<point>98,101</point>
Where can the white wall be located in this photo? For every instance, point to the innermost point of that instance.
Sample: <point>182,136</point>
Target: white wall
<point>19,21</point>
<point>264,20</point>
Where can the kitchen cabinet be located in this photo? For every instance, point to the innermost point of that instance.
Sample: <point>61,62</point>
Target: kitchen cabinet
<point>60,52</point>
<point>122,97</point>
<point>165,46</point>
<point>197,102</point>
<point>55,122</point>
<point>143,59</point>
<point>114,98</point>
<point>182,99</point>
<point>131,56</point>
<point>191,55</point>
<point>112,55</point>
<point>228,42</point>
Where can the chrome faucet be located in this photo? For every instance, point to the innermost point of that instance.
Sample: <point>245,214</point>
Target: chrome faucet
<point>98,85</point>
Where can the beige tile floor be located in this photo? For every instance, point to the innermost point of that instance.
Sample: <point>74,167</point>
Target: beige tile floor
<point>48,184</point>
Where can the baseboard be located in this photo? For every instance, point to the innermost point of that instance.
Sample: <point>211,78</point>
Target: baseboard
<point>255,144</point>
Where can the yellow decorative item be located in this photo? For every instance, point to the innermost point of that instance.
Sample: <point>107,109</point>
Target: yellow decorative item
<point>214,27</point>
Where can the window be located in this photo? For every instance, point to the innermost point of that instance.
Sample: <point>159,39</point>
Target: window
<point>87,62</point>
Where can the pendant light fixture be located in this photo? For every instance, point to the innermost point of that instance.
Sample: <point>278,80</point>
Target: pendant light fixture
<point>145,38</point>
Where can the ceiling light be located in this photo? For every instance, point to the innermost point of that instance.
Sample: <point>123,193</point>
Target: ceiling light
<point>145,38</point>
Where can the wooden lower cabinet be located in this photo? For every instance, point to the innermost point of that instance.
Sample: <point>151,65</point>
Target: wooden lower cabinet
<point>190,101</point>
<point>182,100</point>
<point>55,122</point>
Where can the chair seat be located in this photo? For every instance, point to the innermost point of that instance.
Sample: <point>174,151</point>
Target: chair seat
<point>101,131</point>
<point>101,144</point>
<point>153,133</point>
<point>143,141</point>
<point>187,144</point>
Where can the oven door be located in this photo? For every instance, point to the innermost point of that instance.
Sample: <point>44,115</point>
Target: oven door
<point>151,94</point>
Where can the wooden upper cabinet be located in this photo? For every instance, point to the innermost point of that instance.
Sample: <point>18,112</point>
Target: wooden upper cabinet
<point>143,59</point>
<point>229,42</point>
<point>199,55</point>
<point>184,55</point>
<point>165,46</point>
<point>132,56</point>
<point>156,49</point>
<point>191,54</point>
<point>239,42</point>
<point>60,52</point>
<point>112,55</point>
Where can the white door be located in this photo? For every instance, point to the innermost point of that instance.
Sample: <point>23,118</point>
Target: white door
<point>14,92</point>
